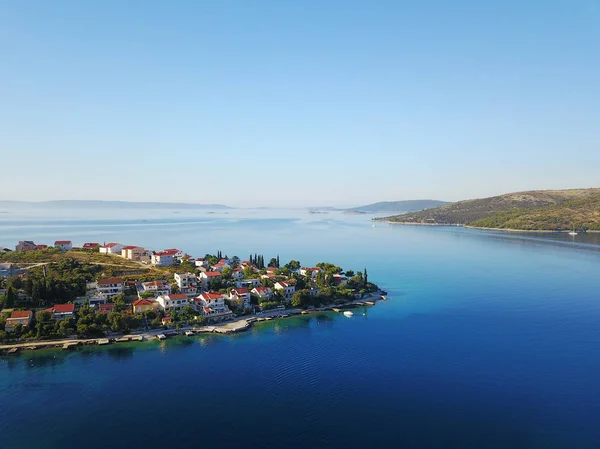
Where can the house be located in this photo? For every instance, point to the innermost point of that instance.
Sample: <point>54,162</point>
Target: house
<point>269,276</point>
<point>41,247</point>
<point>25,245</point>
<point>238,273</point>
<point>62,311</point>
<point>211,306</point>
<point>220,266</point>
<point>111,248</point>
<point>91,245</point>
<point>158,288</point>
<point>248,283</point>
<point>176,253</point>
<point>338,279</point>
<point>64,245</point>
<point>263,293</point>
<point>143,305</point>
<point>166,320</point>
<point>187,283</point>
<point>206,276</point>
<point>109,287</point>
<point>241,295</point>
<point>133,252</point>
<point>200,262</point>
<point>272,270</point>
<point>7,270</point>
<point>162,259</point>
<point>173,301</point>
<point>22,317</point>
<point>106,308</point>
<point>287,289</point>
<point>304,271</point>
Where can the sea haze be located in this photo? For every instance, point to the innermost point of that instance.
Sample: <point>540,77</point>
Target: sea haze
<point>487,340</point>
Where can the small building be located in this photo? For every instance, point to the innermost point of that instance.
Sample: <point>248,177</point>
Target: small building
<point>22,317</point>
<point>111,248</point>
<point>166,320</point>
<point>63,245</point>
<point>25,245</point>
<point>40,247</point>
<point>240,295</point>
<point>272,270</point>
<point>287,289</point>
<point>133,252</point>
<point>269,276</point>
<point>187,283</point>
<point>263,293</point>
<point>211,305</point>
<point>162,259</point>
<point>238,273</point>
<point>62,311</point>
<point>207,276</point>
<point>157,288</point>
<point>200,262</point>
<point>7,270</point>
<point>106,308</point>
<point>173,302</point>
<point>248,283</point>
<point>143,305</point>
<point>89,245</point>
<point>109,287</point>
<point>304,271</point>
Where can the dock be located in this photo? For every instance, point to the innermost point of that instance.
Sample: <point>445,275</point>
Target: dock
<point>103,341</point>
<point>70,346</point>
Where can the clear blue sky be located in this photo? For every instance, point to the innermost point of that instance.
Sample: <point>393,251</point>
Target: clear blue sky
<point>297,102</point>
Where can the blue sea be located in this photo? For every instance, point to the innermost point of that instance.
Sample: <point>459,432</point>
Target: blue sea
<point>487,340</point>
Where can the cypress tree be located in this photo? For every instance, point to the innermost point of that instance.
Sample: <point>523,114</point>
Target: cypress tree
<point>277,260</point>
<point>365,276</point>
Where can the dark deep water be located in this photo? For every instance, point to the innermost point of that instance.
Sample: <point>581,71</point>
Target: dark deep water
<point>488,340</point>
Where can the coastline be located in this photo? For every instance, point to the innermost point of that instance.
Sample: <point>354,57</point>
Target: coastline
<point>237,325</point>
<point>406,223</point>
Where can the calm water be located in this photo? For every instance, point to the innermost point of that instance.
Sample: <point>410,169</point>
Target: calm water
<point>488,340</point>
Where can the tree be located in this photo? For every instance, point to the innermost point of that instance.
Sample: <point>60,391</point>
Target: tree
<point>273,262</point>
<point>235,261</point>
<point>277,261</point>
<point>293,265</point>
<point>227,273</point>
<point>349,273</point>
<point>366,278</point>
<point>10,298</point>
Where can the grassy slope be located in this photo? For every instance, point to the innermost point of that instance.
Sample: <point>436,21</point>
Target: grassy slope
<point>545,204</point>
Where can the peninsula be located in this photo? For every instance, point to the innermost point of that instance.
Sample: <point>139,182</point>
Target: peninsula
<point>538,210</point>
<point>60,294</point>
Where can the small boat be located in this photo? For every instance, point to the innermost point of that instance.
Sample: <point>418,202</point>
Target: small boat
<point>348,313</point>
<point>188,333</point>
<point>161,336</point>
<point>573,231</point>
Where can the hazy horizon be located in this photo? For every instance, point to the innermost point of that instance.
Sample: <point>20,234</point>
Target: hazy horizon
<point>297,104</point>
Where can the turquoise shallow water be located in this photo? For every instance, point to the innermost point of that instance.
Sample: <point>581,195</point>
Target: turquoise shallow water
<point>488,340</point>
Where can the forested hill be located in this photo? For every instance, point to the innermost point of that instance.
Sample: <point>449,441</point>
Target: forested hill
<point>533,210</point>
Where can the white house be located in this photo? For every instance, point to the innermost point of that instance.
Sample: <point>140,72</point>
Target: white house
<point>272,270</point>
<point>187,283</point>
<point>248,283</point>
<point>173,302</point>
<point>220,266</point>
<point>111,248</point>
<point>206,276</point>
<point>305,270</point>
<point>62,311</point>
<point>109,287</point>
<point>238,273</point>
<point>264,293</point>
<point>287,289</point>
<point>200,262</point>
<point>162,259</point>
<point>64,245</point>
<point>157,288</point>
<point>241,295</point>
<point>211,306</point>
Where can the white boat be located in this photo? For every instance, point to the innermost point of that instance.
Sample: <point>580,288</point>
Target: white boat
<point>572,233</point>
<point>348,313</point>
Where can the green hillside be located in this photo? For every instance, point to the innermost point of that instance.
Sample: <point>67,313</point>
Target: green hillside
<point>399,206</point>
<point>542,210</point>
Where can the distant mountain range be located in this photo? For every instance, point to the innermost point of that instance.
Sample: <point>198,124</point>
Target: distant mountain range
<point>399,206</point>
<point>84,204</point>
<point>552,210</point>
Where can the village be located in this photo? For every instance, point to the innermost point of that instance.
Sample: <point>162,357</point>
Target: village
<point>192,292</point>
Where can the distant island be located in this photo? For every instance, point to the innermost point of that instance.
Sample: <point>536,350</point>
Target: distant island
<point>399,206</point>
<point>537,210</point>
<point>97,204</point>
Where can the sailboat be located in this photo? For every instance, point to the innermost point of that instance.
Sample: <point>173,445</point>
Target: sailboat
<point>573,231</point>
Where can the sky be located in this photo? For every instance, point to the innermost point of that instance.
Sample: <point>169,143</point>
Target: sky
<point>297,103</point>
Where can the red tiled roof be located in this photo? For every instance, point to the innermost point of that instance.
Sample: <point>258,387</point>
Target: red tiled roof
<point>178,296</point>
<point>238,269</point>
<point>240,291</point>
<point>109,245</point>
<point>166,319</point>
<point>284,284</point>
<point>142,302</point>
<point>154,284</point>
<point>272,269</point>
<point>164,254</point>
<point>106,307</point>
<point>210,295</point>
<point>223,261</point>
<point>64,308</point>
<point>108,281</point>
<point>131,247</point>
<point>62,242</point>
<point>41,246</point>
<point>91,245</point>
<point>262,289</point>
<point>212,273</point>
<point>207,310</point>
<point>21,314</point>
